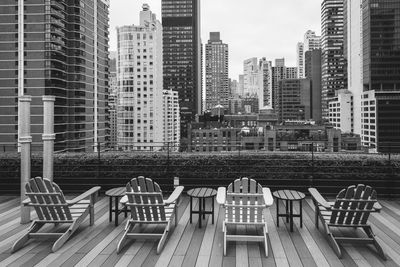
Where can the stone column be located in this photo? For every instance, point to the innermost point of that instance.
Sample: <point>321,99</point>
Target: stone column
<point>48,136</point>
<point>25,139</point>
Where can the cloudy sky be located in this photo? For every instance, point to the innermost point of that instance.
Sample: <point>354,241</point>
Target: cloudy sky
<point>251,28</point>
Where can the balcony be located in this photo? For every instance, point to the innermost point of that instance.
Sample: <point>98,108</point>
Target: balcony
<point>187,245</point>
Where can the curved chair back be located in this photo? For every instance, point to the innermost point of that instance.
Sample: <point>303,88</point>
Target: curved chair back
<point>145,200</point>
<point>244,201</point>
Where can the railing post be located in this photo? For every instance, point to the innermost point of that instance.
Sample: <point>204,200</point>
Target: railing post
<point>25,140</point>
<point>312,165</point>
<point>48,136</point>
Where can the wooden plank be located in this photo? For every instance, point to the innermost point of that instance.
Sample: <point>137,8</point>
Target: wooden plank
<point>208,239</point>
<point>217,251</point>
<point>176,261</point>
<point>170,246</point>
<point>195,244</point>
<point>242,256</point>
<point>287,244</point>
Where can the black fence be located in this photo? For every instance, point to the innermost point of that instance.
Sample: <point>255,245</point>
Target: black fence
<point>328,171</point>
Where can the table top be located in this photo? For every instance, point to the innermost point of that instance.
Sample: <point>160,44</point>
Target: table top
<point>289,194</point>
<point>202,192</point>
<point>116,192</point>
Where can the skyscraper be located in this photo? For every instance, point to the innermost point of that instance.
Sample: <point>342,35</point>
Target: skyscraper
<point>250,72</point>
<point>380,101</point>
<point>311,41</point>
<point>217,81</point>
<point>56,48</point>
<point>140,80</point>
<point>171,119</point>
<point>280,72</point>
<point>300,59</point>
<point>182,56</point>
<point>312,72</point>
<point>332,50</point>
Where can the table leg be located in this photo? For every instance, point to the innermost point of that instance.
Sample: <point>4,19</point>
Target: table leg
<point>277,212</point>
<point>116,210</point>
<point>200,211</point>
<point>126,211</point>
<point>301,213</point>
<point>212,199</point>
<point>204,208</point>
<point>291,215</point>
<point>191,210</point>
<point>287,211</point>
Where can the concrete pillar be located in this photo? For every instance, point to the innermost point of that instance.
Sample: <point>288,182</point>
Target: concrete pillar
<point>48,136</point>
<point>25,139</point>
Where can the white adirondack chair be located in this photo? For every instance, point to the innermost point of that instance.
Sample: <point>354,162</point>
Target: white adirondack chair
<point>147,206</point>
<point>245,202</point>
<point>51,207</point>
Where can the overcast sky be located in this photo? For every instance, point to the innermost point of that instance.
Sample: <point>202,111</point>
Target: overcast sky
<point>251,28</point>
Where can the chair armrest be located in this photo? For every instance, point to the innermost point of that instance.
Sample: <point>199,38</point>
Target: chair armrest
<point>90,193</point>
<point>221,195</point>
<point>175,195</point>
<point>268,199</point>
<point>26,202</point>
<point>124,200</point>
<point>318,198</point>
<point>377,207</point>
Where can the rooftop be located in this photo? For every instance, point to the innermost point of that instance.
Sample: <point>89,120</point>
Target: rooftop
<point>187,245</point>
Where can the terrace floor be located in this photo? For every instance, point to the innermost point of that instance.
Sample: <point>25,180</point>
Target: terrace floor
<point>187,245</point>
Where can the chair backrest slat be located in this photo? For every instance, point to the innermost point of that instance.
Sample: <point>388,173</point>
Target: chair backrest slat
<point>32,197</point>
<point>354,204</point>
<point>253,199</point>
<point>363,214</point>
<point>145,200</point>
<point>229,200</point>
<point>54,198</point>
<point>236,187</point>
<point>40,200</point>
<point>62,200</point>
<point>245,189</point>
<point>42,188</point>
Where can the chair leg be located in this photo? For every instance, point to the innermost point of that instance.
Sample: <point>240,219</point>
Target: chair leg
<point>224,227</point>
<point>163,238</point>
<point>370,234</point>
<point>265,232</point>
<point>23,239</point>
<point>121,242</point>
<point>335,245</point>
<point>176,214</point>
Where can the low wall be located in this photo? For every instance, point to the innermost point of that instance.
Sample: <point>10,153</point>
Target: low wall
<point>328,172</point>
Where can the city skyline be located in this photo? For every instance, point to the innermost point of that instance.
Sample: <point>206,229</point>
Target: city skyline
<point>290,21</point>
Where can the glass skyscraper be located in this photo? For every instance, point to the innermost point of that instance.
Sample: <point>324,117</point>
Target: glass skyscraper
<point>182,56</point>
<point>60,48</point>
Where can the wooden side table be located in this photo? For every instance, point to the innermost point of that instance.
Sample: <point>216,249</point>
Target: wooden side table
<point>202,194</point>
<point>116,193</point>
<point>289,196</point>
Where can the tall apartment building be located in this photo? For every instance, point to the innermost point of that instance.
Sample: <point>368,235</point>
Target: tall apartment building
<point>340,110</point>
<point>332,50</point>
<point>113,100</point>
<point>55,48</point>
<point>311,42</point>
<point>241,85</point>
<point>265,82</point>
<point>312,72</point>
<point>380,100</point>
<point>171,119</point>
<point>280,72</point>
<point>353,46</point>
<point>182,56</point>
<point>217,81</point>
<point>234,88</point>
<point>294,100</point>
<point>250,72</point>
<point>300,59</point>
<point>140,81</point>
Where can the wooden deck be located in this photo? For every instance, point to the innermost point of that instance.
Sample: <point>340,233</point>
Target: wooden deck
<point>188,245</point>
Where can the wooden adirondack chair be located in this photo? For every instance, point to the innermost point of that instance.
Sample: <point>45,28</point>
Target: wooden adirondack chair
<point>351,208</point>
<point>245,202</point>
<point>51,207</point>
<point>147,206</point>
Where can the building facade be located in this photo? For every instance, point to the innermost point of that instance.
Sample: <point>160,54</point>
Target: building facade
<point>280,72</point>
<point>380,121</point>
<point>265,82</point>
<point>311,42</point>
<point>140,82</point>
<point>55,48</point>
<point>300,59</point>
<point>217,81</point>
<point>332,50</point>
<point>294,100</point>
<point>182,56</point>
<point>313,73</point>
<point>171,120</point>
<point>250,78</point>
<point>341,111</point>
